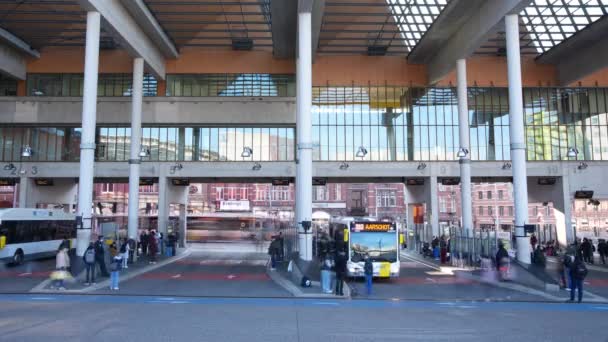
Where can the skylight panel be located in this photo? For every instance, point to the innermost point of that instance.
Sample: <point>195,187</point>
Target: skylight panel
<point>414,17</point>
<point>560,18</point>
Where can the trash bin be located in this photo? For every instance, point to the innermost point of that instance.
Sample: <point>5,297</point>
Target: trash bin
<point>169,251</point>
<point>326,281</point>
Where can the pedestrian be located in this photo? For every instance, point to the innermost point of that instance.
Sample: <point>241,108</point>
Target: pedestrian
<point>533,242</point>
<point>100,257</point>
<point>124,253</point>
<point>443,249</point>
<point>161,245</point>
<point>602,248</point>
<point>173,241</point>
<point>62,264</point>
<point>273,250</point>
<point>158,236</point>
<point>340,268</point>
<point>89,262</point>
<point>132,244</point>
<point>587,250</point>
<point>578,272</point>
<point>113,250</point>
<point>143,240</point>
<point>502,262</point>
<point>116,266</point>
<point>368,269</point>
<point>152,247</point>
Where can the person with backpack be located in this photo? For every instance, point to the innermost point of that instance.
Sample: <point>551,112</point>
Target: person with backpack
<point>116,266</point>
<point>368,269</point>
<point>89,262</point>
<point>100,258</point>
<point>124,253</point>
<point>578,272</point>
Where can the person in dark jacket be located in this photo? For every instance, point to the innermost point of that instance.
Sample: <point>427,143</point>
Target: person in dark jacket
<point>587,250</point>
<point>89,262</point>
<point>502,261</point>
<point>368,269</point>
<point>340,269</point>
<point>152,247</point>
<point>602,248</point>
<point>578,272</point>
<point>143,240</point>
<point>100,257</point>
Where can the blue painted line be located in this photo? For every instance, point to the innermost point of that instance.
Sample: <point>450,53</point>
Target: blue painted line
<point>325,304</point>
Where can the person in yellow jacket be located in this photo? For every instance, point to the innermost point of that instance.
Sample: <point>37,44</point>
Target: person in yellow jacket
<point>62,264</point>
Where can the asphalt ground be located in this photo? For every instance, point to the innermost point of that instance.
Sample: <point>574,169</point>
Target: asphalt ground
<point>421,282</point>
<point>52,318</point>
<point>22,278</point>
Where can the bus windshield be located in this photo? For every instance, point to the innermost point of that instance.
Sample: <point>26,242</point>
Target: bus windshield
<point>379,246</point>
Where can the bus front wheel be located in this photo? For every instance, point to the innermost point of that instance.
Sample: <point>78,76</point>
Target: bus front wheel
<point>18,257</point>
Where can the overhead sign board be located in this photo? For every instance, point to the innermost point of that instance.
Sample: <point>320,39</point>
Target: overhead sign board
<point>372,227</point>
<point>280,181</point>
<point>180,182</point>
<point>234,206</point>
<point>44,182</point>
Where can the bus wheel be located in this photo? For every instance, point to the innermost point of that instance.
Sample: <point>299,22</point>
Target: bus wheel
<point>18,257</point>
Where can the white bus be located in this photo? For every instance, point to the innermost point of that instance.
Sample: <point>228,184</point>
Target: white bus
<point>33,233</point>
<point>367,237</point>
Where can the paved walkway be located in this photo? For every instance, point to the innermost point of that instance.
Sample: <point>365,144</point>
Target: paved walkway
<point>208,271</point>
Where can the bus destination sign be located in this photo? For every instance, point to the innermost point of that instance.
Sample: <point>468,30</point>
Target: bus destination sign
<point>373,227</point>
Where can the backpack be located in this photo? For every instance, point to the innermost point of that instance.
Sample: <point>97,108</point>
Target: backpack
<point>89,256</point>
<point>116,265</point>
<point>580,270</point>
<point>123,248</point>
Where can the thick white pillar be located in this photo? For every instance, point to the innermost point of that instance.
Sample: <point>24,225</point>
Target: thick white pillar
<point>87,143</point>
<point>135,160</point>
<point>463,130</point>
<point>163,203</point>
<point>433,203</point>
<point>516,133</point>
<point>304,132</point>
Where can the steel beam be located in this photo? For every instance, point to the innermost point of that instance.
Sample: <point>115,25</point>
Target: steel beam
<point>581,55</point>
<point>284,16</point>
<point>471,26</point>
<point>123,26</point>
<point>144,18</point>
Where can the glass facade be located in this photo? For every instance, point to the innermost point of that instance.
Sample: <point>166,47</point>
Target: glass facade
<point>164,143</point>
<point>72,85</point>
<point>421,124</point>
<point>391,123</point>
<point>272,85</point>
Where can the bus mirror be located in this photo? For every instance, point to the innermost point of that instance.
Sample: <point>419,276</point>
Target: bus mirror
<point>2,241</point>
<point>401,238</point>
<point>345,235</point>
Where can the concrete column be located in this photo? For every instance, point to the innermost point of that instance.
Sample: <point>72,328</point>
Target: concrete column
<point>390,134</point>
<point>135,160</point>
<point>516,133</point>
<point>163,202</point>
<point>433,208</point>
<point>304,129</point>
<point>463,130</point>
<point>24,185</point>
<point>409,116</point>
<point>183,224</point>
<point>87,145</point>
<point>562,205</point>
